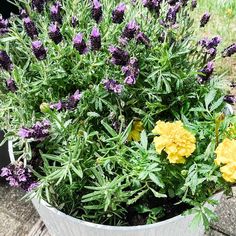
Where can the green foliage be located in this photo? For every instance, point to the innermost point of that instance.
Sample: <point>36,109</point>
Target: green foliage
<point>87,167</point>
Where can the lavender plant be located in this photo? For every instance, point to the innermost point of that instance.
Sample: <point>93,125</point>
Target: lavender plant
<point>83,85</point>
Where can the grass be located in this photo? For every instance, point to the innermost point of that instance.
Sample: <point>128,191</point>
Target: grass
<point>222,23</point>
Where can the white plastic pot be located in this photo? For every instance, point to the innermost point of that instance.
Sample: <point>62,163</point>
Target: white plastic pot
<point>60,224</point>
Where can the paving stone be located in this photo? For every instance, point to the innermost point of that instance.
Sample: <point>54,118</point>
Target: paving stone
<point>226,212</point>
<point>8,224</point>
<point>214,233</point>
<point>11,200</point>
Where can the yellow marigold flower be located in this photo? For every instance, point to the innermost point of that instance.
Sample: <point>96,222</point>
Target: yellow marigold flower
<point>229,172</point>
<point>175,140</point>
<point>136,130</point>
<point>226,152</point>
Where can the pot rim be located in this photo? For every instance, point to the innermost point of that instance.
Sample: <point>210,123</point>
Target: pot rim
<point>109,227</point>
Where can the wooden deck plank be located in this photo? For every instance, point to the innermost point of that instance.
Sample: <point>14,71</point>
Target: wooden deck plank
<point>39,229</point>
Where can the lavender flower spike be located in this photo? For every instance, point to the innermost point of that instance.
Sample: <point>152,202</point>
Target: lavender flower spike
<point>5,61</point>
<point>204,20</point>
<point>171,16</point>
<point>112,86</point>
<point>206,72</point>
<point>96,10</point>
<point>95,39</point>
<point>18,176</point>
<point>74,21</point>
<point>229,51</point>
<point>231,99</point>
<point>80,44</point>
<point>143,38</point>
<point>11,85</point>
<point>54,33</point>
<point>58,106</point>
<point>30,27</point>
<point>131,71</point>
<point>55,12</point>
<point>119,56</point>
<point>152,5</point>
<point>23,13</point>
<point>73,100</point>
<point>118,13</point>
<point>4,25</point>
<point>39,131</point>
<point>130,30</point>
<point>38,5</point>
<point>193,4</point>
<point>39,50</point>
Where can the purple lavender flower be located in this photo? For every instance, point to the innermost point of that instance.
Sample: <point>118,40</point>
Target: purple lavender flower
<point>130,30</point>
<point>131,71</point>
<point>11,85</point>
<point>205,19</point>
<point>214,41</point>
<point>70,104</point>
<point>25,133</point>
<point>12,181</point>
<point>30,27</point>
<point>39,50</point>
<point>152,5</point>
<point>118,13</point>
<point>112,85</point>
<point>73,100</point>
<point>23,13</point>
<point>54,33</point>
<point>96,10</point>
<point>5,61</point>
<point>132,68</point>
<point>79,44</point>
<point>119,56</point>
<point>31,186</point>
<point>210,46</point>
<point>58,106</point>
<point>193,4</point>
<point>38,5</point>
<point>19,176</point>
<point>171,16</point>
<point>229,51</point>
<point>130,80</point>
<point>38,131</point>
<point>231,99</point>
<point>95,39</point>
<point>5,172</point>
<point>4,25</point>
<point>74,21</point>
<point>143,38</point>
<point>55,12</point>
<point>206,72</point>
<point>41,129</point>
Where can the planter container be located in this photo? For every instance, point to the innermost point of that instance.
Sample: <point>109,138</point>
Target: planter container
<point>60,224</point>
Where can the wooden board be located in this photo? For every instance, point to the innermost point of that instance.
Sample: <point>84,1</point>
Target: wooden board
<point>39,229</point>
